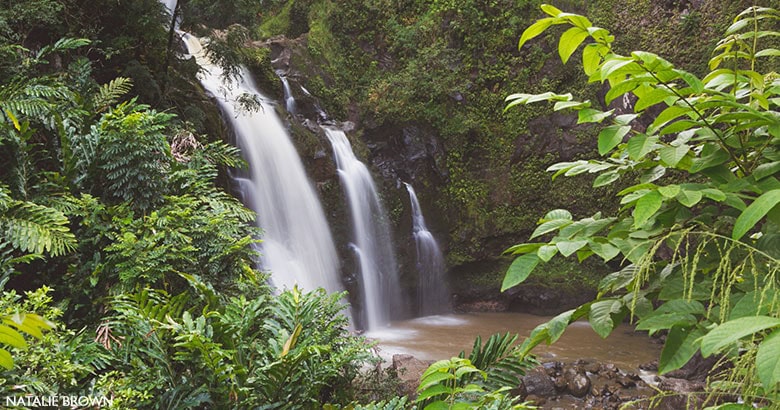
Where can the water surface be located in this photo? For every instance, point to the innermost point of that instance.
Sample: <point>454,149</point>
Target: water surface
<point>443,336</point>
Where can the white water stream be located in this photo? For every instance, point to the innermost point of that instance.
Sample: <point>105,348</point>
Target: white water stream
<point>432,289</point>
<point>372,241</point>
<point>297,245</point>
<point>289,100</point>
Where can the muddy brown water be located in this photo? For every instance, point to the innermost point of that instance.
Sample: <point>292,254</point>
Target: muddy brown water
<point>443,336</point>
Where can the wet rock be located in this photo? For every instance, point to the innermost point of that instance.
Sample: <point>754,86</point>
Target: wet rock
<point>592,368</point>
<point>560,383</point>
<point>680,397</point>
<point>519,391</point>
<point>626,382</point>
<point>651,367</point>
<point>537,400</point>
<point>538,383</point>
<point>409,370</point>
<point>553,133</point>
<point>608,370</point>
<point>578,385</point>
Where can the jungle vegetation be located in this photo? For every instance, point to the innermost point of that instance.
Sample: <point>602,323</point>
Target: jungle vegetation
<point>128,269</point>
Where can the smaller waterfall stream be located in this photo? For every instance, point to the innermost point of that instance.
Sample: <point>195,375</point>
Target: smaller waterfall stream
<point>289,100</point>
<point>432,289</point>
<point>373,245</point>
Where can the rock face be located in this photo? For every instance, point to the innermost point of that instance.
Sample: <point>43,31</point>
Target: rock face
<point>409,370</point>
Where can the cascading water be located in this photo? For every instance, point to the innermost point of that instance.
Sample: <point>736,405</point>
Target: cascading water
<point>169,4</point>
<point>373,244</point>
<point>289,100</point>
<point>297,245</point>
<point>432,289</point>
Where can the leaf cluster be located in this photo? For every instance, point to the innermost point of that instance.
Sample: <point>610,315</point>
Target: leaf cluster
<point>697,233</point>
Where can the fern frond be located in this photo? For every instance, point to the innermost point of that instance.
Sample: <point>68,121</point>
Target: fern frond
<point>110,93</point>
<point>63,44</point>
<point>34,228</point>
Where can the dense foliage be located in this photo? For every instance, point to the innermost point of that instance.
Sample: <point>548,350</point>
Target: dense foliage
<point>697,231</point>
<point>128,272</point>
<point>113,209</point>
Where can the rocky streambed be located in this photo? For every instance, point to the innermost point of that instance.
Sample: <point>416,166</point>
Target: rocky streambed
<point>579,371</point>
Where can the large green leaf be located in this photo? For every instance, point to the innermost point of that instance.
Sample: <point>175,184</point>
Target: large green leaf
<point>604,249</point>
<point>523,248</point>
<point>669,114</point>
<point>546,252</point>
<point>567,248</point>
<point>600,316</point>
<point>611,136</point>
<point>569,41</point>
<point>754,212</point>
<point>433,391</point>
<point>671,156</point>
<point>557,325</point>
<point>669,191</point>
<point>765,170</point>
<point>730,332</point>
<point>605,179</point>
<point>654,97</point>
<point>11,337</point>
<point>592,115</point>
<point>558,214</point>
<point>6,360</point>
<point>664,321</point>
<point>550,226</point>
<point>754,303</point>
<point>591,58</point>
<point>535,29</point>
<point>678,349</point>
<point>519,270</point>
<point>646,207</point>
<point>689,198</point>
<point>768,361</point>
<point>681,306</point>
<point>640,145</point>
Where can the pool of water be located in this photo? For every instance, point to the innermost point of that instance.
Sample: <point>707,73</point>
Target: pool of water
<point>443,336</point>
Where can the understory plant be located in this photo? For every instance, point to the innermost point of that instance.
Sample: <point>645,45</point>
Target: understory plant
<point>696,235</point>
<point>484,380</point>
<point>288,351</point>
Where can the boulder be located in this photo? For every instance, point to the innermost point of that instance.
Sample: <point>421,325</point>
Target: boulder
<point>538,383</point>
<point>578,385</point>
<point>409,370</point>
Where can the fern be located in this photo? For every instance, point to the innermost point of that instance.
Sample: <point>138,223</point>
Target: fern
<point>62,44</point>
<point>134,154</point>
<point>34,228</point>
<point>110,93</point>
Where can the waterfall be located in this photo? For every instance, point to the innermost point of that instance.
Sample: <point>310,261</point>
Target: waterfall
<point>372,241</point>
<point>297,245</point>
<point>169,4</point>
<point>432,288</point>
<point>289,100</point>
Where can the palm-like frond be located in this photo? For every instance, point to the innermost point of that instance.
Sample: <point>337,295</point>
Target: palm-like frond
<point>497,357</point>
